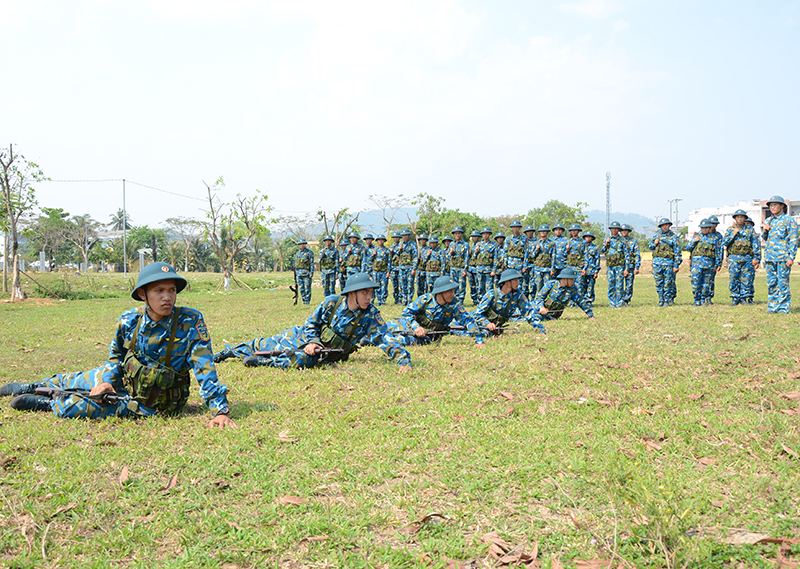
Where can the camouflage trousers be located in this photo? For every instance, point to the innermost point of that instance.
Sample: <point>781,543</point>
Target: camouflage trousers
<point>422,283</point>
<point>740,279</point>
<point>329,282</point>
<point>588,290</point>
<point>701,284</point>
<point>77,407</point>
<point>406,282</point>
<point>286,340</point>
<point>382,292</point>
<point>779,299</point>
<point>473,287</point>
<point>483,281</point>
<point>665,283</point>
<point>539,278</point>
<point>432,279</point>
<point>627,294</point>
<point>304,285</point>
<point>396,286</point>
<point>616,286</point>
<point>751,271</point>
<point>460,276</point>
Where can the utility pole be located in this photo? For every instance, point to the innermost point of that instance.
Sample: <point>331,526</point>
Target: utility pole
<point>608,201</point>
<point>674,201</point>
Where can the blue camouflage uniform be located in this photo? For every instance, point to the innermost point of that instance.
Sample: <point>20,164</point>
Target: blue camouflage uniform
<point>499,308</point>
<point>543,252</point>
<point>751,270</point>
<point>576,258</point>
<point>407,258</point>
<point>433,261</point>
<point>634,264</point>
<point>191,351</point>
<point>666,259</point>
<point>458,259</point>
<point>304,271</point>
<point>591,265</point>
<point>352,260</point>
<point>515,246</point>
<point>421,277</point>
<point>485,257</point>
<point>617,255</point>
<point>559,253</point>
<point>331,315</point>
<point>781,246</point>
<point>556,298</point>
<point>394,271</point>
<point>473,269</point>
<point>528,284</point>
<point>380,269</point>
<point>425,312</point>
<point>329,267</point>
<point>743,247</point>
<point>706,255</point>
<point>368,256</point>
<point>718,236</point>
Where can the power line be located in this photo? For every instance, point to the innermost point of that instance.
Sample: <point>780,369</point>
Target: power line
<point>135,183</point>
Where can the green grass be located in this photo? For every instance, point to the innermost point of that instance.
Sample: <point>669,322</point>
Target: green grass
<point>663,431</point>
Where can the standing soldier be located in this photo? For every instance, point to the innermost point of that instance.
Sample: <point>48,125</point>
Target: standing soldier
<point>576,256</point>
<point>706,252</point>
<point>422,279</point>
<point>406,261</point>
<point>328,265</point>
<point>559,260</point>
<point>527,282</point>
<point>616,253</point>
<point>515,246</point>
<point>433,263</point>
<point>369,254</point>
<point>444,251</point>
<point>543,258</point>
<point>591,266</point>
<point>381,266</point>
<point>751,269</point>
<point>304,270</point>
<point>342,269</point>
<point>634,263</point>
<point>718,236</point>
<point>666,248</point>
<point>485,261</point>
<point>394,269</point>
<point>780,234</point>
<point>353,258</point>
<point>500,259</point>
<point>744,250</point>
<point>458,258</point>
<point>473,267</point>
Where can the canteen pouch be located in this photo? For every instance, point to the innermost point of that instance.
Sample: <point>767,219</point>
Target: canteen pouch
<point>515,251</point>
<point>703,249</point>
<point>354,260</point>
<point>380,265</point>
<point>303,263</point>
<point>740,247</point>
<point>544,260</point>
<point>327,263</point>
<point>664,251</point>
<point>575,260</point>
<point>615,260</point>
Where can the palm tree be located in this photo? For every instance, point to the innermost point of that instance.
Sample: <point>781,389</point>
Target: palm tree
<point>117,221</point>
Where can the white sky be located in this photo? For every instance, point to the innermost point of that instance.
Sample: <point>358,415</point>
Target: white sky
<point>496,106</point>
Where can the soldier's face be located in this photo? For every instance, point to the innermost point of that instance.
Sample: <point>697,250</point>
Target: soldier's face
<point>406,238</point>
<point>614,231</point>
<point>328,242</point>
<point>529,234</point>
<point>486,236</point>
<point>739,219</point>
<point>664,228</point>
<point>588,239</point>
<point>475,238</point>
<point>500,240</point>
<point>363,297</point>
<point>396,240</point>
<point>514,284</point>
<point>446,297</point>
<point>160,297</point>
<point>515,231</point>
<point>458,235</point>
<point>368,241</point>
<point>558,231</point>
<point>705,230</point>
<point>625,232</point>
<point>776,208</point>
<point>381,242</point>
<point>302,246</point>
<point>574,232</point>
<point>353,240</point>
<point>543,235</point>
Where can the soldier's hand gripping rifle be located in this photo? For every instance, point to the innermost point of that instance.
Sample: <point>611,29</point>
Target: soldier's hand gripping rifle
<point>104,398</point>
<point>261,358</point>
<point>275,353</point>
<point>295,289</point>
<point>452,330</point>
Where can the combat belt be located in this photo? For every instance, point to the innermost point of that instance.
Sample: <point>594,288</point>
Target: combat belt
<point>575,260</point>
<point>664,251</point>
<point>554,308</point>
<point>433,265</point>
<point>740,247</point>
<point>354,260</point>
<point>515,251</point>
<point>333,341</point>
<point>614,260</point>
<point>162,388</point>
<point>303,263</point>
<point>380,265</point>
<point>327,263</point>
<point>544,260</point>
<point>703,249</point>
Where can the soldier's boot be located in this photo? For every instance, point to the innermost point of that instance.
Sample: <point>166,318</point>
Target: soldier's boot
<point>256,361</point>
<point>30,402</point>
<point>17,388</point>
<point>223,355</point>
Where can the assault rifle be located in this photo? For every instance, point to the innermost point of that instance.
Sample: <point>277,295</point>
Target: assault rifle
<point>275,353</point>
<point>104,398</point>
<point>261,358</point>
<point>295,289</point>
<point>451,330</point>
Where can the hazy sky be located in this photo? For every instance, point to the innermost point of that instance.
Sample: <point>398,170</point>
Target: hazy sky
<point>496,106</point>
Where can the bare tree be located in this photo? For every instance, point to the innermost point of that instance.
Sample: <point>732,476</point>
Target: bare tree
<point>188,229</point>
<point>389,207</point>
<point>81,231</point>
<point>340,224</point>
<point>231,226</point>
<point>299,226</point>
<point>18,198</point>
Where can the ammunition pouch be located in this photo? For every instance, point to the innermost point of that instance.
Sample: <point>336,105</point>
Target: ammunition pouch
<point>703,249</point>
<point>554,308</point>
<point>303,263</point>
<point>404,259</point>
<point>515,251</point>
<point>428,324</point>
<point>433,265</point>
<point>332,340</point>
<point>380,265</point>
<point>664,251</point>
<point>485,259</point>
<point>327,263</point>
<point>457,262</point>
<point>543,260</point>
<point>575,260</point>
<point>353,261</point>
<point>740,247</point>
<point>614,260</point>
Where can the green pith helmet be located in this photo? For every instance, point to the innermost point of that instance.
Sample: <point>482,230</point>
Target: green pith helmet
<point>354,234</point>
<point>714,219</point>
<point>443,284</point>
<point>664,221</point>
<point>750,220</point>
<point>574,227</point>
<point>516,223</point>
<point>615,225</point>
<point>381,237</point>
<point>433,239</point>
<point>475,233</point>
<point>359,281</point>
<point>776,199</point>
<point>369,236</point>
<point>589,234</point>
<point>422,237</point>
<point>486,229</point>
<point>739,212</point>
<point>500,234</point>
<point>328,238</point>
<point>626,227</point>
<point>529,228</point>
<point>302,242</point>
<point>567,273</point>
<point>457,229</point>
<point>395,235</point>
<point>706,223</point>
<point>544,227</point>
<point>508,275</point>
<point>558,226</point>
<point>155,272</point>
<point>446,238</point>
<point>405,232</point>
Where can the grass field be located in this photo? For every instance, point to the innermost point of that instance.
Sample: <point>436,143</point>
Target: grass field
<point>650,437</point>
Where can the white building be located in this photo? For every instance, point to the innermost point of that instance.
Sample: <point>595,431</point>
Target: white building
<point>756,209</point>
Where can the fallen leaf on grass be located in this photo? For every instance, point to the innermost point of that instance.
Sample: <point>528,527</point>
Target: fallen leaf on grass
<point>791,395</point>
<point>26,350</point>
<point>171,484</point>
<point>415,527</point>
<point>696,396</point>
<point>507,395</point>
<point>795,375</point>
<point>706,461</point>
<point>640,411</point>
<point>778,540</point>
<point>508,555</point>
<point>221,484</point>
<point>101,345</point>
<point>314,538</point>
<point>592,564</point>
<point>705,424</point>
<point>790,412</point>
<point>234,525</point>
<point>652,445</point>
<point>574,519</point>
<point>789,451</point>
<point>292,500</point>
<point>63,509</point>
<point>717,504</point>
<point>123,476</point>
<point>285,437</point>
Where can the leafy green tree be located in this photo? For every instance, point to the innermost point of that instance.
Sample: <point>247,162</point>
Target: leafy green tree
<point>187,230</point>
<point>141,238</point>
<point>81,232</point>
<point>555,211</point>
<point>46,233</point>
<point>119,220</point>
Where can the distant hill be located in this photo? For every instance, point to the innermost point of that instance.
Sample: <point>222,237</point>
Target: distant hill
<point>640,223</point>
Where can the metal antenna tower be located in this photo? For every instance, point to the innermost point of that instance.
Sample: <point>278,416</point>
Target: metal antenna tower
<point>608,200</point>
<point>675,201</point>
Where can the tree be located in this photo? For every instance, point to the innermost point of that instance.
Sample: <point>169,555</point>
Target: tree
<point>339,224</point>
<point>299,226</point>
<point>554,211</point>
<point>81,231</point>
<point>429,209</point>
<point>142,238</point>
<point>17,196</point>
<point>188,229</point>
<point>231,226</point>
<point>389,206</point>
<point>120,220</point>
<point>260,251</point>
<point>46,234</point>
